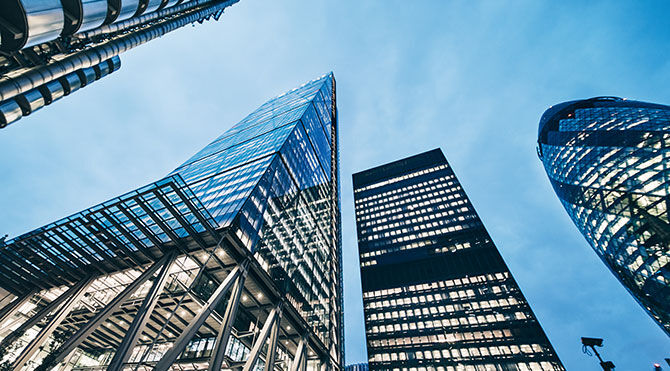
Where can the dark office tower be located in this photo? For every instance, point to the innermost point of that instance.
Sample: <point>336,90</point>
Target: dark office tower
<point>608,160</point>
<point>232,260</point>
<point>51,48</point>
<point>437,295</point>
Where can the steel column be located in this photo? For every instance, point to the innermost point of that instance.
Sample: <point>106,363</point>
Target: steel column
<point>299,356</point>
<point>262,338</point>
<point>218,353</point>
<point>124,350</point>
<point>272,346</point>
<point>86,330</point>
<point>53,323</point>
<point>183,339</point>
<point>32,321</point>
<point>10,309</point>
<point>7,299</point>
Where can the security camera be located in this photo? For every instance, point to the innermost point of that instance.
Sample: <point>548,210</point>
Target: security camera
<point>592,342</point>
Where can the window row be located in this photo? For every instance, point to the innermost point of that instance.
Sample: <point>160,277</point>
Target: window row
<point>423,287</point>
<point>412,202</point>
<point>400,178</point>
<point>409,190</point>
<point>463,336</point>
<point>450,308</point>
<point>405,188</point>
<point>449,322</point>
<point>457,354</point>
<point>520,366</point>
<point>443,296</point>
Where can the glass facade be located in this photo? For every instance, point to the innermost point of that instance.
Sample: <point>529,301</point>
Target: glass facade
<point>437,295</point>
<point>265,190</point>
<point>607,159</point>
<point>272,179</point>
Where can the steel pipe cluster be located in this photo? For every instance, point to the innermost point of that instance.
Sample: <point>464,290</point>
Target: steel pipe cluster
<point>26,23</point>
<point>26,103</point>
<point>22,80</point>
<point>52,80</point>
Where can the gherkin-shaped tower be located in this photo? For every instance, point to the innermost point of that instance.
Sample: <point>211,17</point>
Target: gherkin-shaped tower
<point>608,160</point>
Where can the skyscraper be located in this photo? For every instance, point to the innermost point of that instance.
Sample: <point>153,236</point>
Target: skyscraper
<point>232,259</point>
<point>608,159</point>
<point>437,295</point>
<point>52,48</point>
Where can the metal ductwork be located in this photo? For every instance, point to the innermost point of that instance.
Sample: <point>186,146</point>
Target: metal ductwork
<point>10,111</point>
<point>26,23</point>
<point>86,14</point>
<point>12,86</point>
<point>52,48</point>
<point>26,103</point>
<point>169,9</point>
<point>30,22</point>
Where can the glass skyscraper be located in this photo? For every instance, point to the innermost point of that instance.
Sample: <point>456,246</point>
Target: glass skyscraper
<point>232,260</point>
<point>52,48</point>
<point>608,159</point>
<point>437,295</point>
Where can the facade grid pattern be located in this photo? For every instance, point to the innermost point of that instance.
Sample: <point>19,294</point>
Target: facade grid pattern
<point>232,260</point>
<point>436,293</point>
<point>607,159</point>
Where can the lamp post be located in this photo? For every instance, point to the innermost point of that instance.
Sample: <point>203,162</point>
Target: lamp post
<point>593,343</point>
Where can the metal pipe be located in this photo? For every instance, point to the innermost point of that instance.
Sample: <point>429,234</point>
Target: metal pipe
<point>10,111</point>
<point>65,64</point>
<point>37,98</point>
<point>135,21</point>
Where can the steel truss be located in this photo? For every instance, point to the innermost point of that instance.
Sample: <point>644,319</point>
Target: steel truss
<point>148,231</point>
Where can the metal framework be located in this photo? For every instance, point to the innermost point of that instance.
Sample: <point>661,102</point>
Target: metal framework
<point>245,275</point>
<point>149,235</point>
<point>49,48</point>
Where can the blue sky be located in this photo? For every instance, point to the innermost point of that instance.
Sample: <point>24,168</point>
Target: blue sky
<point>471,78</point>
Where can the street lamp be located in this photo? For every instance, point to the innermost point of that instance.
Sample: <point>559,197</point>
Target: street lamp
<point>593,343</point>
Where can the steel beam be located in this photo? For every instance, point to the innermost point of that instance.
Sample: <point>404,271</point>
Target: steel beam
<point>10,309</point>
<point>53,323</point>
<point>86,330</point>
<point>271,353</point>
<point>218,353</point>
<point>7,299</point>
<point>270,323</point>
<point>124,351</point>
<point>32,321</point>
<point>168,358</point>
<point>298,363</point>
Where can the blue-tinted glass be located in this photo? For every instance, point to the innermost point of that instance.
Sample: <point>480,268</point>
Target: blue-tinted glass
<point>606,158</point>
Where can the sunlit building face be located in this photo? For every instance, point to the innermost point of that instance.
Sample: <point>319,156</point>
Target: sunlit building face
<point>437,295</point>
<point>607,159</point>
